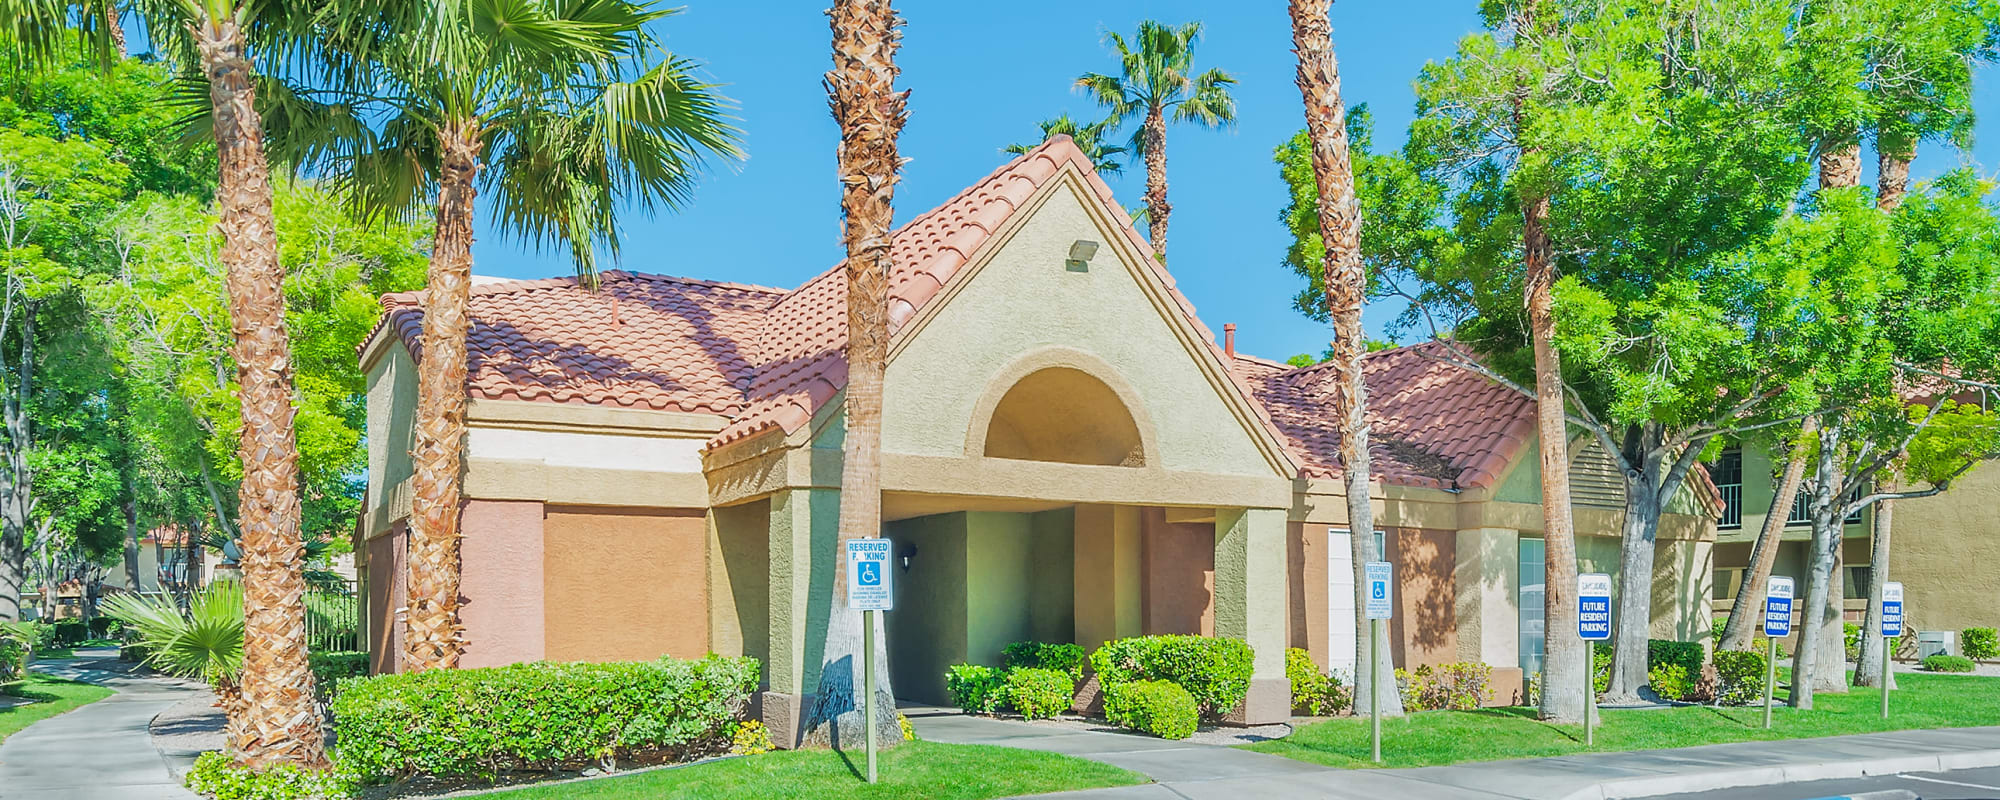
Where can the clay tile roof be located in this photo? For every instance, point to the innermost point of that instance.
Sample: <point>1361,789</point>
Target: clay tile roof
<point>639,341</point>
<point>1431,423</point>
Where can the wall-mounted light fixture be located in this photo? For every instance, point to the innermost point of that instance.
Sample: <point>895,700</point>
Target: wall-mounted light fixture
<point>906,555</point>
<point>1080,253</point>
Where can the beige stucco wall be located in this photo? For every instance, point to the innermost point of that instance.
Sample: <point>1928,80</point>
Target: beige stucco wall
<point>392,410</point>
<point>739,580</point>
<point>625,584</point>
<point>1107,575</point>
<point>1023,302</point>
<point>1946,552</point>
<point>927,630</point>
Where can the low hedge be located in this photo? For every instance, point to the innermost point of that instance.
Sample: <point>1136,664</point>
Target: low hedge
<point>1040,693</point>
<point>219,776</point>
<point>1160,708</point>
<point>1214,671</point>
<point>1068,658</point>
<point>1686,655</point>
<point>976,689</point>
<point>1980,644</point>
<point>539,716</point>
<point>1739,677</point>
<point>329,667</point>
<point>1947,663</point>
<point>71,631</point>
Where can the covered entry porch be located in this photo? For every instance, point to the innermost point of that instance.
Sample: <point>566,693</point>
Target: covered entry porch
<point>972,581</point>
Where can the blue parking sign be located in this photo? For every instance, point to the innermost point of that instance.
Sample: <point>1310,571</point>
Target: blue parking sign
<point>1892,609</point>
<point>1778,608</point>
<point>1593,607</point>
<point>868,583</point>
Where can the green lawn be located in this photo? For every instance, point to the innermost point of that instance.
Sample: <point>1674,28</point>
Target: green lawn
<point>1445,737</point>
<point>914,770</point>
<point>55,695</point>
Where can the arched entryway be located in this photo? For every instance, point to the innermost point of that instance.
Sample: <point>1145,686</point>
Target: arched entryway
<point>1064,415</point>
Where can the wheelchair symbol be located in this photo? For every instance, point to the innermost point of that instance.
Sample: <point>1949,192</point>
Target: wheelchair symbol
<point>870,573</point>
<point>1377,590</point>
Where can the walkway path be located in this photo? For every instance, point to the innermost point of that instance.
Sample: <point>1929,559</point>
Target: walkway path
<point>101,751</point>
<point>1200,772</point>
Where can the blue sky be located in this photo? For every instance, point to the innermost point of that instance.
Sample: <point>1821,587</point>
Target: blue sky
<point>980,76</point>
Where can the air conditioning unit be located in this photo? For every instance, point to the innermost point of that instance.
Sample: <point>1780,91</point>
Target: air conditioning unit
<point>1931,643</point>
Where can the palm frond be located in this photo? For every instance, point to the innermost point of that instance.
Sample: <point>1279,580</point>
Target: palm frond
<point>205,643</point>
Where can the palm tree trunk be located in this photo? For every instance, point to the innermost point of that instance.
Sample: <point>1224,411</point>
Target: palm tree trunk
<point>107,12</point>
<point>1892,184</point>
<point>861,90</point>
<point>432,635</point>
<point>1157,207</point>
<point>1894,181</point>
<point>279,721</point>
<point>1344,282</point>
<point>1747,614</point>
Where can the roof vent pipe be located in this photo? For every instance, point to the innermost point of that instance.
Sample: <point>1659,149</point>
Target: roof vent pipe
<point>1229,339</point>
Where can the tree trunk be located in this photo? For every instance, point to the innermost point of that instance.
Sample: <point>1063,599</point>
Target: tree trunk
<point>1868,666</point>
<point>280,724</point>
<point>17,496</point>
<point>1637,542</point>
<point>432,637</point>
<point>1345,284</point>
<point>1894,181</point>
<point>1819,575</point>
<point>861,91</point>
<point>1157,207</point>
<point>132,542</point>
<point>115,33</point>
<point>1840,166</point>
<point>1746,616</point>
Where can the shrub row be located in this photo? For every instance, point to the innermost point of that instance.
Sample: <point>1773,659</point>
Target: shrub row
<point>1314,691</point>
<point>1215,671</point>
<point>329,667</point>
<point>538,716</point>
<point>1068,658</point>
<point>1947,663</point>
<point>1458,686</point>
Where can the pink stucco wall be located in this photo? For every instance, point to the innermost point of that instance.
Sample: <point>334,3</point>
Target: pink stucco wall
<point>502,582</point>
<point>388,592</point>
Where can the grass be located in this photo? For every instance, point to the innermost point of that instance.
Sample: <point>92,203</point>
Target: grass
<point>52,695</point>
<point>1450,737</point>
<point>914,770</point>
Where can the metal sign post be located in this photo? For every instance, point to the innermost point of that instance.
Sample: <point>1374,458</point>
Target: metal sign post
<point>1777,624</point>
<point>869,589</point>
<point>1892,627</point>
<point>1593,624</point>
<point>1381,594</point>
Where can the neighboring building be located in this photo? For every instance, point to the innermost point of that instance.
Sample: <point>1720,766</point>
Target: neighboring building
<point>1944,549</point>
<point>654,468</point>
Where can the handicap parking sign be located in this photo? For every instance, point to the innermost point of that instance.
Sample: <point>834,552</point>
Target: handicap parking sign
<point>1380,598</point>
<point>868,583</point>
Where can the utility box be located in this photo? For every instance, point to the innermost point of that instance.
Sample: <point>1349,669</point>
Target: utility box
<point>1931,643</point>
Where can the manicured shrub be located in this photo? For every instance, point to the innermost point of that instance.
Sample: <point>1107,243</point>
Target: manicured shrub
<point>539,716</point>
<point>1947,663</point>
<point>1980,644</point>
<point>1739,677</point>
<point>1161,708</point>
<point>1060,657</point>
<point>1686,655</point>
<point>216,774</point>
<point>1850,633</point>
<point>71,631</point>
<point>1459,686</point>
<point>976,689</point>
<point>1040,693</point>
<point>1669,681</point>
<point>1309,685</point>
<point>1760,645</point>
<point>1600,666</point>
<point>103,627</point>
<point>13,652</point>
<point>329,667</point>
<point>41,636</point>
<point>1216,672</point>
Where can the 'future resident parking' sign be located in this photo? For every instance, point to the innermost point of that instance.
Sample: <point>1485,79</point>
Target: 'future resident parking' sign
<point>1778,608</point>
<point>1892,609</point>
<point>1593,607</point>
<point>868,581</point>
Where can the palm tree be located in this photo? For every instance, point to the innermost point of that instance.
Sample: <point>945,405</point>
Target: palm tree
<point>1155,83</point>
<point>559,112</point>
<point>1088,137</point>
<point>861,87</point>
<point>1345,283</point>
<point>204,642</point>
<point>221,39</point>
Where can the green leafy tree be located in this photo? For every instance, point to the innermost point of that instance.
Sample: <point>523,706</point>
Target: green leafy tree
<point>1156,83</point>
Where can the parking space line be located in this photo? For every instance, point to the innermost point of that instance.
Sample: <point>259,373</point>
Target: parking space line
<point>1951,783</point>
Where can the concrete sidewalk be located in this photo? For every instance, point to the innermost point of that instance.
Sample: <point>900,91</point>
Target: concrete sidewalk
<point>1198,772</point>
<point>102,751</point>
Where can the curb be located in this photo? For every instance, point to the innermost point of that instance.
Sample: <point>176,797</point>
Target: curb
<point>1655,785</point>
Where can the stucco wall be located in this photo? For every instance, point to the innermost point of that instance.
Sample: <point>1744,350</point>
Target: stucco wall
<point>1053,601</point>
<point>1024,301</point>
<point>1107,576</point>
<point>392,409</point>
<point>927,629</point>
<point>388,593</point>
<point>1424,629</point>
<point>739,580</point>
<point>1178,559</point>
<point>1946,552</point>
<point>625,584</point>
<point>1000,565</point>
<point>594,450</point>
<point>501,582</point>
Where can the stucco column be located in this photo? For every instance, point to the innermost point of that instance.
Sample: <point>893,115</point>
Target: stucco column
<point>1107,574</point>
<point>1487,580</point>
<point>502,582</point>
<point>801,595</point>
<point>1250,604</point>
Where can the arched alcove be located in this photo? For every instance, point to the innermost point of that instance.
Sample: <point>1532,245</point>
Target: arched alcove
<point>1064,415</point>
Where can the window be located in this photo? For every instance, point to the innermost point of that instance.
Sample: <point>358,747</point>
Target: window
<point>1534,554</point>
<point>1728,475</point>
<point>1858,579</point>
